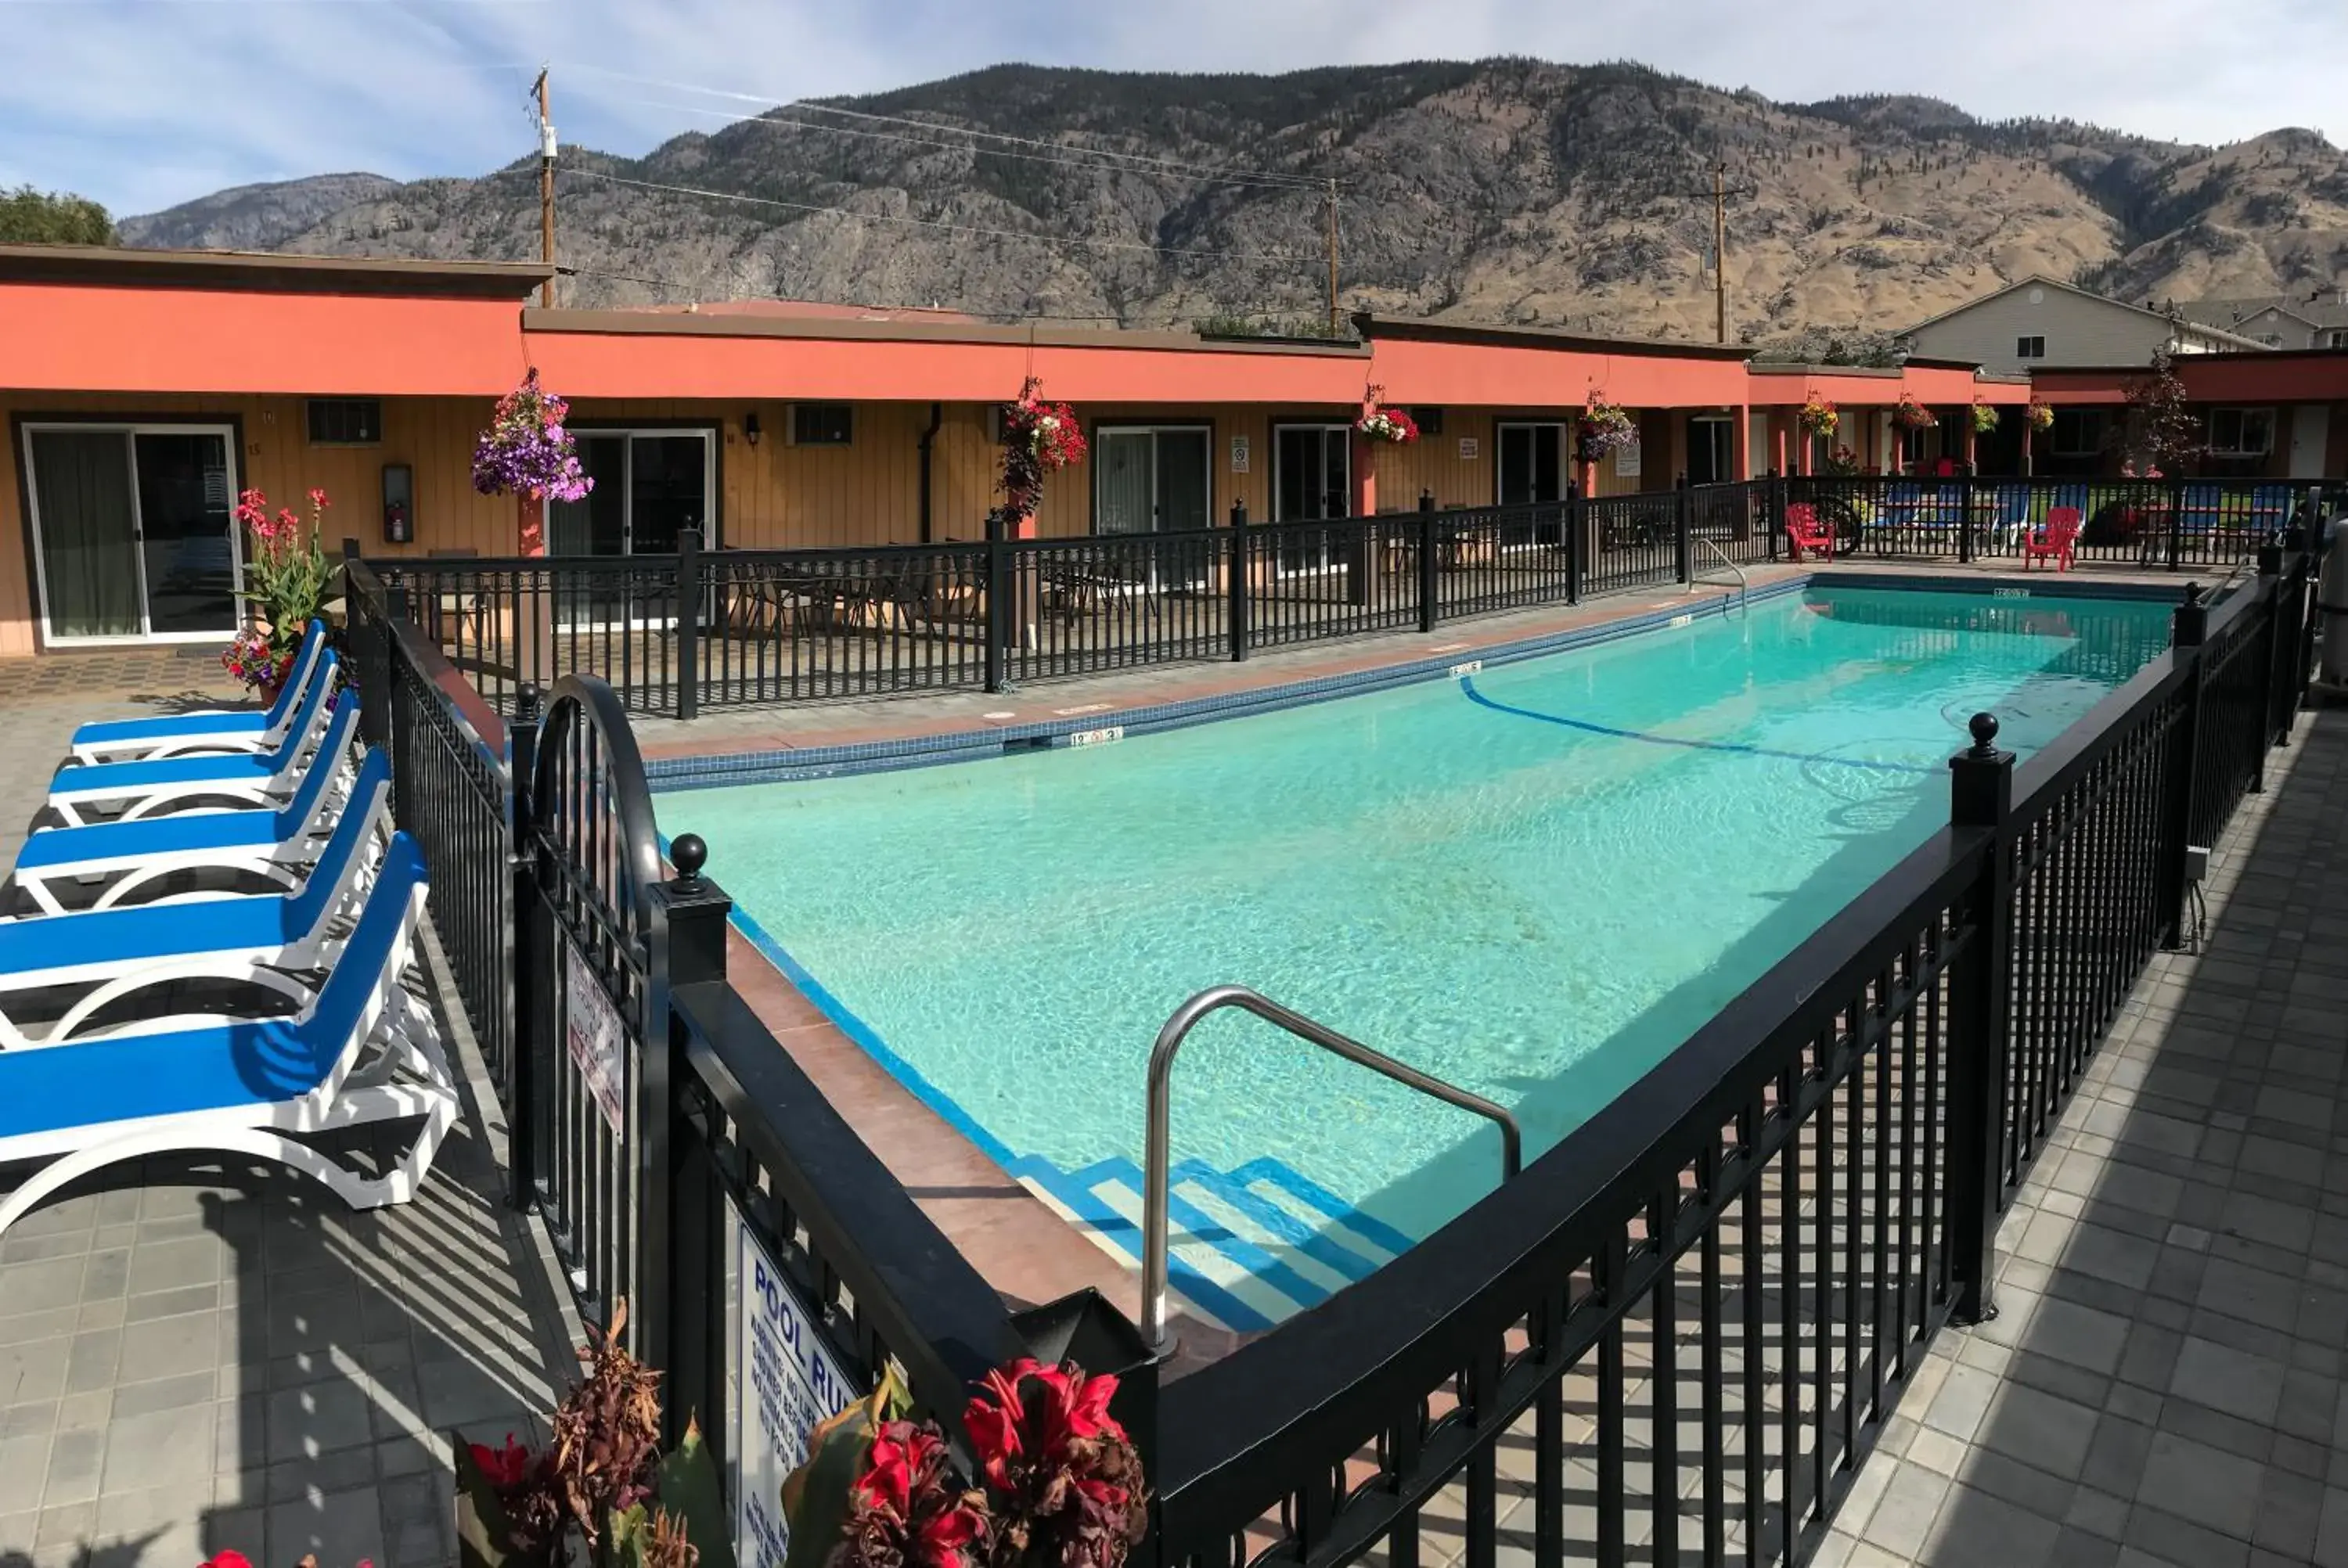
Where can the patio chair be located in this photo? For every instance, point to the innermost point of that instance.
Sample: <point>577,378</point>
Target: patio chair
<point>361,1051</point>
<point>1803,531</point>
<point>2055,541</point>
<point>121,952</point>
<point>254,778</point>
<point>273,846</point>
<point>2271,509</point>
<point>213,730</point>
<point>2008,518</point>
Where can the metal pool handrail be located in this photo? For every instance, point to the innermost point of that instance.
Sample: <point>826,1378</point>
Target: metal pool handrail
<point>1158,1186</point>
<point>1744,583</point>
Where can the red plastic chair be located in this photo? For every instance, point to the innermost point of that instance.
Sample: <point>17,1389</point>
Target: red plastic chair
<point>2054,541</point>
<point>1804,533</point>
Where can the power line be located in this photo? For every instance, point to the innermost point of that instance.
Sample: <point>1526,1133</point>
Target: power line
<point>971,229</point>
<point>1084,161</point>
<point>1265,175</point>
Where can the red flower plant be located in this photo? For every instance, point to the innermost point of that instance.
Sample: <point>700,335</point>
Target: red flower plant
<point>1067,1481</point>
<point>904,1511</point>
<point>507,1468</point>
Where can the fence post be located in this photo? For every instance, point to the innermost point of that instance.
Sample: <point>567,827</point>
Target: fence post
<point>1681,520</point>
<point>1965,517</point>
<point>692,1337</point>
<point>2282,641</point>
<point>1236,586</point>
<point>688,623</point>
<point>1773,502</point>
<point>530,959</point>
<point>2175,523</point>
<point>1576,547</point>
<point>998,599</point>
<point>396,735</point>
<point>1430,584</point>
<point>370,645</point>
<point>1981,794</point>
<point>2189,630</point>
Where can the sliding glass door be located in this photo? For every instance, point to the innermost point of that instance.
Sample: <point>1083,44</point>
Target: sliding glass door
<point>1313,480</point>
<point>650,486</point>
<point>1153,479</point>
<point>1532,473</point>
<point>134,533</point>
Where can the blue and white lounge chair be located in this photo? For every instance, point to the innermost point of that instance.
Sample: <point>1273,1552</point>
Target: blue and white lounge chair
<point>122,951</point>
<point>275,846</point>
<point>360,1052</point>
<point>216,730</point>
<point>255,778</point>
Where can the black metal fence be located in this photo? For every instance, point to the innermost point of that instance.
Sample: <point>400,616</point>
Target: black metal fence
<point>2159,524</point>
<point>676,635</point>
<point>1680,1332</point>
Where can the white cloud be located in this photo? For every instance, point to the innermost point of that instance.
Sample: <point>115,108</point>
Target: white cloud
<point>141,103</point>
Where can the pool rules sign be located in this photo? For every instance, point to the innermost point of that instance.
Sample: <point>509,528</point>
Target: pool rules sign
<point>789,1383</point>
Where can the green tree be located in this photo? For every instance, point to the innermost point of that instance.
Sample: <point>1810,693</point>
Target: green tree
<point>52,218</point>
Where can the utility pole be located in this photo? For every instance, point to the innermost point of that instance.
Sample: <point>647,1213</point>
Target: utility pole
<point>545,192</point>
<point>1720,252</point>
<point>1332,256</point>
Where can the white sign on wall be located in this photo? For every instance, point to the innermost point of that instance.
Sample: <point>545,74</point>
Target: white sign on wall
<point>1466,448</point>
<point>1239,454</point>
<point>591,1031</point>
<point>790,1382</point>
<point>1627,461</point>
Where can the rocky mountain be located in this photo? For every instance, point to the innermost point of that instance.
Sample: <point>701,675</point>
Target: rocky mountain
<point>1510,191</point>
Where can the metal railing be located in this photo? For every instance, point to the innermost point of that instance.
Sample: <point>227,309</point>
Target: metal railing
<point>677,635</point>
<point>1744,580</point>
<point>1158,1184</point>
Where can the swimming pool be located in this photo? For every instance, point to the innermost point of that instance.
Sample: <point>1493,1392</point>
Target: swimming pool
<point>1533,880</point>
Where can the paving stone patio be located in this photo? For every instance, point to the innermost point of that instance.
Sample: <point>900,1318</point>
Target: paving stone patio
<point>198,1353</point>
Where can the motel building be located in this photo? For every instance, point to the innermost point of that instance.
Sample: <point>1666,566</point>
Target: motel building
<point>144,390</point>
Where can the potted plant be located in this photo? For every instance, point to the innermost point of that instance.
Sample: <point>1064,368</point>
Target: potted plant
<point>1391,425</point>
<point>1038,438</point>
<point>2041,416</point>
<point>286,576</point>
<point>1820,416</point>
<point>1985,418</point>
<point>1910,414</point>
<point>1057,1484</point>
<point>1603,427</point>
<point>528,451</point>
<point>603,1487</point>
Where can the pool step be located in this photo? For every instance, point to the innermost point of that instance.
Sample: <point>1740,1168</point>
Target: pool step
<point>1247,1248</point>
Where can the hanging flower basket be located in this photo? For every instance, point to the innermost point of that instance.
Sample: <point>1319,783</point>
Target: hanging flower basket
<point>1819,418</point>
<point>1603,428</point>
<point>2042,416</point>
<point>1985,418</point>
<point>526,451</point>
<point>1038,438</point>
<point>1911,415</point>
<point>1390,426</point>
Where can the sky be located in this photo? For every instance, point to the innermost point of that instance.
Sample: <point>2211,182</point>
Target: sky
<point>144,103</point>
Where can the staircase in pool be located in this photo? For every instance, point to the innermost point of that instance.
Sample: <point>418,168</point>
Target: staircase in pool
<point>1246,1247</point>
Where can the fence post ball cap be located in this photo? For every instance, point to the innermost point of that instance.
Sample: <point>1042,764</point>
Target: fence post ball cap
<point>1984,732</point>
<point>527,701</point>
<point>689,854</point>
<point>2193,592</point>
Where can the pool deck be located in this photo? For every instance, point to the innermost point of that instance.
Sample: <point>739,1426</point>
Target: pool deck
<point>202,1353</point>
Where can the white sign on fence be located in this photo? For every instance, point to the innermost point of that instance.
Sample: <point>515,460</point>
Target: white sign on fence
<point>790,1382</point>
<point>592,1030</point>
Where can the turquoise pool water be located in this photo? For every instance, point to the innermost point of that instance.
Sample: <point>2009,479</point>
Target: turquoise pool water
<point>1473,874</point>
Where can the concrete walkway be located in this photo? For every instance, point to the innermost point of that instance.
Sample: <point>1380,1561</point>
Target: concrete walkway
<point>2163,1381</point>
<point>206,1353</point>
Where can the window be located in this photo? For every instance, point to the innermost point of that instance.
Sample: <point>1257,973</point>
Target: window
<point>2029,348</point>
<point>2272,340</point>
<point>2077,432</point>
<point>346,421</point>
<point>1428,420</point>
<point>2241,432</point>
<point>2336,338</point>
<point>822,424</point>
<point>1712,450</point>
